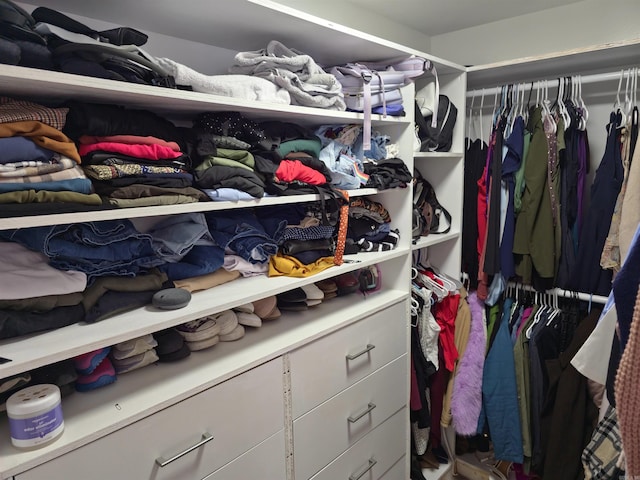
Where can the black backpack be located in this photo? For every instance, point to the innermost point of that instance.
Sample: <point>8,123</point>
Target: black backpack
<point>440,137</point>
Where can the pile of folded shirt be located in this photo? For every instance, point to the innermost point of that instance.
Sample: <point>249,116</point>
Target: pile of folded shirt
<point>133,157</point>
<point>369,227</point>
<point>35,296</point>
<point>39,171</point>
<point>226,169</point>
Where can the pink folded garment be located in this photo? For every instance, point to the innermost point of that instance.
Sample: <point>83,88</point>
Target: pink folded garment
<point>148,152</point>
<point>129,140</point>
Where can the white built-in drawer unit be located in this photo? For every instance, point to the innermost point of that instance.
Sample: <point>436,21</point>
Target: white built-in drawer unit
<point>370,457</point>
<point>238,414</point>
<point>325,432</point>
<point>329,365</point>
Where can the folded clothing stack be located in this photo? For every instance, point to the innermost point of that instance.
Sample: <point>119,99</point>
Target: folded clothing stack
<point>94,370</point>
<point>134,354</point>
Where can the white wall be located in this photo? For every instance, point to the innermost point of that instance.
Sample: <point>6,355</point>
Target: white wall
<point>582,24</point>
<point>354,16</point>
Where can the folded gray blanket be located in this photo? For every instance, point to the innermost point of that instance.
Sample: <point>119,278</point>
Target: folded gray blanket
<point>244,87</point>
<point>307,83</point>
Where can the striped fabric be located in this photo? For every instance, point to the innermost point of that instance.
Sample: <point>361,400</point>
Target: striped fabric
<point>12,110</point>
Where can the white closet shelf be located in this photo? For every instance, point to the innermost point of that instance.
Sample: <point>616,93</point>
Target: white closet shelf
<point>134,395</point>
<point>435,239</point>
<point>578,60</point>
<point>443,155</point>
<point>137,212</point>
<point>32,351</point>
<point>49,86</point>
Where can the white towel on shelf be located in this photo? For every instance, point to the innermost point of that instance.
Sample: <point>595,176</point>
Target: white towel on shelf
<point>245,87</point>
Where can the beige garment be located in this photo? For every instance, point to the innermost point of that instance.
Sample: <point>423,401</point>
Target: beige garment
<point>610,258</point>
<point>204,282</point>
<point>461,337</point>
<point>630,215</point>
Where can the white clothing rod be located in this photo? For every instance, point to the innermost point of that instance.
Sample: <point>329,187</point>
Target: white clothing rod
<point>560,292</point>
<point>552,83</point>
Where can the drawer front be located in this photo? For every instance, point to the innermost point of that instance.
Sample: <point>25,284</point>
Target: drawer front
<point>370,457</point>
<point>239,413</point>
<point>397,472</point>
<point>328,430</point>
<point>322,369</point>
<point>265,461</point>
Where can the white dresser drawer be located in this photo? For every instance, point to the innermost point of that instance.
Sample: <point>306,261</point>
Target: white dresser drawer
<point>239,413</point>
<point>370,457</point>
<point>397,472</point>
<point>331,428</point>
<point>266,461</point>
<point>327,366</point>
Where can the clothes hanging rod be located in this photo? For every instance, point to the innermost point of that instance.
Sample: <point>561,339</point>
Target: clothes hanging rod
<point>560,292</point>
<point>552,83</point>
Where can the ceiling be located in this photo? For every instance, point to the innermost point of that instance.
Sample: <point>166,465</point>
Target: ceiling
<point>435,17</point>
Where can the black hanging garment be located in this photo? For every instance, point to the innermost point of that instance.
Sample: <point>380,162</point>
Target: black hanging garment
<point>474,160</point>
<point>588,276</point>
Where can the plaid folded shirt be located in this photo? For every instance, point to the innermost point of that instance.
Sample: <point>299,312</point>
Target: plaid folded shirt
<point>12,110</point>
<point>601,455</point>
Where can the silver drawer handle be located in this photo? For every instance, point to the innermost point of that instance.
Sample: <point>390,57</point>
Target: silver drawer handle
<point>353,356</point>
<point>372,462</point>
<point>370,407</point>
<point>163,462</point>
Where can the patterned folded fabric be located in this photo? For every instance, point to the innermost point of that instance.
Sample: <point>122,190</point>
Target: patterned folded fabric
<point>66,174</point>
<point>107,172</point>
<point>12,110</point>
<point>28,169</point>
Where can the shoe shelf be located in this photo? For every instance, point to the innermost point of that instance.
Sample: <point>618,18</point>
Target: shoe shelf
<point>32,351</point>
<point>434,239</point>
<point>135,395</point>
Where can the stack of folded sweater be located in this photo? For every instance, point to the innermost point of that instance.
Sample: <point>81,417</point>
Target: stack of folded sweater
<point>35,296</point>
<point>226,169</point>
<point>39,171</point>
<point>133,157</point>
<point>143,158</point>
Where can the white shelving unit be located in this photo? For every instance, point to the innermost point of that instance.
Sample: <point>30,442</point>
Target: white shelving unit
<point>240,25</point>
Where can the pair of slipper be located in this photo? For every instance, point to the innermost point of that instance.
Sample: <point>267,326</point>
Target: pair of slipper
<point>134,354</point>
<point>206,332</point>
<point>94,370</point>
<point>301,298</point>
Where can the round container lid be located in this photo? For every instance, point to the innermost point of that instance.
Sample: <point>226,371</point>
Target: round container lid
<point>33,399</point>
